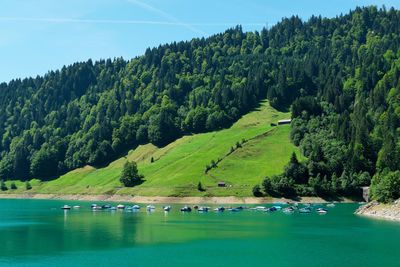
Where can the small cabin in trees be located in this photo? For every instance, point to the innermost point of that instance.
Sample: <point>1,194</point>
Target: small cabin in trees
<point>221,184</point>
<point>281,122</point>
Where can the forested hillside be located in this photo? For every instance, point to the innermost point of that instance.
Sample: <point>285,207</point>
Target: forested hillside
<point>340,77</point>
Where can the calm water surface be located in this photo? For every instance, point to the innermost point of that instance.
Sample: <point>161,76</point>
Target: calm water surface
<point>39,233</point>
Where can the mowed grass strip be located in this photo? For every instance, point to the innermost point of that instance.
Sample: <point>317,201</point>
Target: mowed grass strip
<point>263,156</point>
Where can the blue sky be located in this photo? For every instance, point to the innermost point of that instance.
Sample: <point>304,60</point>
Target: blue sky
<point>41,35</point>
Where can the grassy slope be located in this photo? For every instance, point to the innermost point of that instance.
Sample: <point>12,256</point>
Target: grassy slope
<point>179,166</point>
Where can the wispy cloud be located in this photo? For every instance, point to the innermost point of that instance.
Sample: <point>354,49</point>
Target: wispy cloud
<point>167,16</point>
<point>144,22</point>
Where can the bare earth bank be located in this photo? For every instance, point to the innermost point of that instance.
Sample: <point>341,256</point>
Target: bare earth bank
<point>381,211</point>
<point>155,199</point>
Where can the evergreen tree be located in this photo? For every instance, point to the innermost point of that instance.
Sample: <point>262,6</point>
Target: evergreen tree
<point>3,186</point>
<point>130,175</point>
<point>13,186</point>
<point>200,187</point>
<point>28,186</point>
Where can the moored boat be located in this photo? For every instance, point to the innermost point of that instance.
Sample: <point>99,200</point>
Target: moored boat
<point>186,209</point>
<point>235,209</point>
<point>259,208</point>
<point>305,210</point>
<point>77,207</point>
<point>95,207</point>
<point>120,206</point>
<point>271,209</point>
<point>322,211</point>
<point>167,208</point>
<point>150,208</point>
<point>136,207</point>
<point>66,207</point>
<point>330,205</point>
<point>219,209</point>
<point>202,209</point>
<point>289,210</point>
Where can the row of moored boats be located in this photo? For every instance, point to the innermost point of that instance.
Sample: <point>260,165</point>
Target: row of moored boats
<point>307,208</point>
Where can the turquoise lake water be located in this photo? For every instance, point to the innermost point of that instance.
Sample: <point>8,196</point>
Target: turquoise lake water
<point>39,233</point>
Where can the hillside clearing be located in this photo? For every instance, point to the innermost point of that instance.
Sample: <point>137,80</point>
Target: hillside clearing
<point>179,166</point>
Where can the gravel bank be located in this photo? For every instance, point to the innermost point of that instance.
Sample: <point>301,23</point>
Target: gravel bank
<point>159,199</point>
<point>381,211</point>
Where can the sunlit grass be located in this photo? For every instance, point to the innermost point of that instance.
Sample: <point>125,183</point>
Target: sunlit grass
<point>178,167</point>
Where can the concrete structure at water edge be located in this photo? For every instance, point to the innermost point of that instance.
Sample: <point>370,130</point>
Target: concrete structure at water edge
<point>365,193</point>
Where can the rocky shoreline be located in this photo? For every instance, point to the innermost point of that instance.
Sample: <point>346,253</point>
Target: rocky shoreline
<point>381,211</point>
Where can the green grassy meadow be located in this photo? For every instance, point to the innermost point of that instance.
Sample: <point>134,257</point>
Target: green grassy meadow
<point>180,166</point>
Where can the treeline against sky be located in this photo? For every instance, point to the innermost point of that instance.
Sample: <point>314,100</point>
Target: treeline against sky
<point>340,77</point>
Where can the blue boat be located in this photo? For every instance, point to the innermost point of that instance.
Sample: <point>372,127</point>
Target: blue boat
<point>271,209</point>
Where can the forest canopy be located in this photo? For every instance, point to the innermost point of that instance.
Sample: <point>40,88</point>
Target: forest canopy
<point>340,77</point>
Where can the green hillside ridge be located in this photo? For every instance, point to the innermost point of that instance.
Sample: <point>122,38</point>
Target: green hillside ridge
<point>179,166</point>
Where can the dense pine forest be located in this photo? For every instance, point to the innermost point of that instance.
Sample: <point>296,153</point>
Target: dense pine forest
<point>339,76</point>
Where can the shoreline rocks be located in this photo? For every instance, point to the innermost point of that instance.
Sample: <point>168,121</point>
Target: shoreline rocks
<point>380,210</point>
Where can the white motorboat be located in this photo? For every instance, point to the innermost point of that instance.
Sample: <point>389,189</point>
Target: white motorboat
<point>167,208</point>
<point>202,209</point>
<point>219,209</point>
<point>289,210</point>
<point>186,209</point>
<point>322,211</point>
<point>150,207</point>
